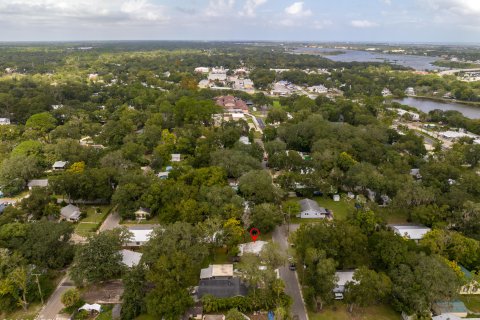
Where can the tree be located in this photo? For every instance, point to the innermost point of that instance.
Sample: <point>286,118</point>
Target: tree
<point>320,277</point>
<point>133,298</point>
<point>266,217</point>
<point>39,124</point>
<point>234,314</point>
<point>70,298</point>
<point>40,203</point>
<point>47,244</point>
<point>233,233</point>
<point>100,258</point>
<point>272,255</point>
<point>257,186</point>
<point>367,288</point>
<point>17,285</point>
<point>236,163</point>
<point>16,171</point>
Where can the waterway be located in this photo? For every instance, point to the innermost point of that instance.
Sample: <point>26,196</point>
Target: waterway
<point>420,63</point>
<point>426,105</point>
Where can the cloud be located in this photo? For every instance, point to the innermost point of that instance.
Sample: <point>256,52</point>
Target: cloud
<point>459,13</point>
<point>389,2</point>
<point>363,24</point>
<point>91,11</point>
<point>297,10</point>
<point>217,8</point>
<point>461,7</point>
<point>251,6</point>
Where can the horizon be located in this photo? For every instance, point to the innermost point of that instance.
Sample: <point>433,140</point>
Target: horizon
<point>371,21</point>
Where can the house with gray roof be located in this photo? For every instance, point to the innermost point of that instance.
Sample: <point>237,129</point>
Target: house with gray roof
<point>219,281</point>
<point>70,213</point>
<point>59,165</point>
<point>40,183</point>
<point>310,209</point>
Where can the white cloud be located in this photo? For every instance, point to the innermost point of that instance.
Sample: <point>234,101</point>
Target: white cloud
<point>251,6</point>
<point>217,8</point>
<point>297,10</point>
<point>389,2</point>
<point>462,7</point>
<point>363,24</point>
<point>458,13</point>
<point>91,11</point>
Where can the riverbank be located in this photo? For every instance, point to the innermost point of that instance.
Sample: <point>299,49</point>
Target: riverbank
<point>443,100</point>
<point>427,104</point>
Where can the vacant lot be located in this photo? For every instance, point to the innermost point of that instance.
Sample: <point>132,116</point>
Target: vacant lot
<point>340,312</point>
<point>90,224</point>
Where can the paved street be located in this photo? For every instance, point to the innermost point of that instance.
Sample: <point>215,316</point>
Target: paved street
<point>292,287</point>
<point>54,304</point>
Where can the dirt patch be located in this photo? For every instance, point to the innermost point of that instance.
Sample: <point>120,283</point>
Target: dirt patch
<point>109,292</point>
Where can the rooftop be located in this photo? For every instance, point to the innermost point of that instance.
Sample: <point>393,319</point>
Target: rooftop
<point>251,247</point>
<point>217,270</point>
<point>414,232</point>
<point>38,183</point>
<point>130,258</point>
<point>140,235</point>
<point>312,205</point>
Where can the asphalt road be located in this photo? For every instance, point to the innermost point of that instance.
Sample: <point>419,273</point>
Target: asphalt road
<point>54,304</point>
<point>292,286</point>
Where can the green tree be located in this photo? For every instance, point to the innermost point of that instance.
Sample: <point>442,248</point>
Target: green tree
<point>266,217</point>
<point>234,314</point>
<point>133,298</point>
<point>257,186</point>
<point>70,298</point>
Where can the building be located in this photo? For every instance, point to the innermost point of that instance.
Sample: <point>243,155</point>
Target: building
<point>219,281</point>
<point>343,278</point>
<point>450,308</point>
<point>415,172</point>
<point>320,89</point>
<point>412,232</point>
<point>410,91</point>
<point>310,209</point>
<point>142,214</point>
<point>456,135</point>
<point>163,175</point>
<point>130,258</point>
<point>4,121</point>
<point>232,104</point>
<point>202,70</point>
<point>40,183</point>
<point>59,165</point>
<point>251,247</point>
<point>407,114</point>
<point>386,92</point>
<point>70,213</point>
<point>176,157</point>
<point>244,140</point>
<point>282,89</point>
<point>471,286</point>
<point>139,237</point>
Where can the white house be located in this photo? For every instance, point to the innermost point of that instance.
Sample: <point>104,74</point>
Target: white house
<point>176,157</point>
<point>244,140</point>
<point>320,89</point>
<point>386,92</point>
<point>343,278</point>
<point>310,209</point>
<point>412,232</point>
<point>142,214</point>
<point>410,91</point>
<point>472,286</point>
<point>140,236</point>
<point>202,70</point>
<point>4,121</point>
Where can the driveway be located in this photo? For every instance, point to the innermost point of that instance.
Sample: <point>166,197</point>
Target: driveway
<point>292,286</point>
<point>54,304</point>
<point>111,222</point>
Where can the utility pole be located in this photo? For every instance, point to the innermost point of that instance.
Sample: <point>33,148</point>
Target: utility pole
<point>38,284</point>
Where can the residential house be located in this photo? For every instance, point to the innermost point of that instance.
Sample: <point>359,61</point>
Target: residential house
<point>386,92</point>
<point>140,236</point>
<point>176,157</point>
<point>202,70</point>
<point>251,247</point>
<point>310,209</point>
<point>142,214</point>
<point>163,175</point>
<point>70,213</point>
<point>320,89</point>
<point>244,140</point>
<point>472,286</point>
<point>412,232</point>
<point>59,165</point>
<point>232,104</point>
<point>219,281</point>
<point>450,308</point>
<point>130,258</point>
<point>415,172</point>
<point>4,121</point>
<point>343,278</point>
<point>40,183</point>
<point>410,91</point>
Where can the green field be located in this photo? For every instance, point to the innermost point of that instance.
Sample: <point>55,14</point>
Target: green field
<point>340,209</point>
<point>339,312</point>
<point>92,221</point>
<point>472,302</point>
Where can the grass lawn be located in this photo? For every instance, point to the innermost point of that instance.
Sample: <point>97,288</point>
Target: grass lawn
<point>106,313</point>
<point>145,317</point>
<point>472,302</point>
<point>276,104</point>
<point>92,221</point>
<point>340,209</point>
<point>339,312</point>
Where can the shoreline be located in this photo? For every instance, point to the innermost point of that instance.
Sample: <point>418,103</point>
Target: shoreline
<point>446,101</point>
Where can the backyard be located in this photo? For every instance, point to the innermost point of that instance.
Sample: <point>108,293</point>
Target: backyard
<point>340,208</point>
<point>339,312</point>
<point>92,221</point>
<point>472,302</point>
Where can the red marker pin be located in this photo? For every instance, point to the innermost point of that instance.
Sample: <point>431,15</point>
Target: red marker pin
<point>254,233</point>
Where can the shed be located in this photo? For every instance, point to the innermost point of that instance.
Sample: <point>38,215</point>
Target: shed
<point>59,165</point>
<point>70,213</point>
<point>310,209</point>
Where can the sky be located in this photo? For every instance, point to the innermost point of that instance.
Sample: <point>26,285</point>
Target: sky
<point>443,21</point>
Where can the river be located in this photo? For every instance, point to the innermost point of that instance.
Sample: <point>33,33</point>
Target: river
<point>426,105</point>
<point>420,63</point>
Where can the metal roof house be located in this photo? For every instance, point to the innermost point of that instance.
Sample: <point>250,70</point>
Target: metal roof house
<point>70,213</point>
<point>130,258</point>
<point>310,209</point>
<point>412,232</point>
<point>40,183</point>
<point>219,281</point>
<point>140,236</point>
<point>59,165</point>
